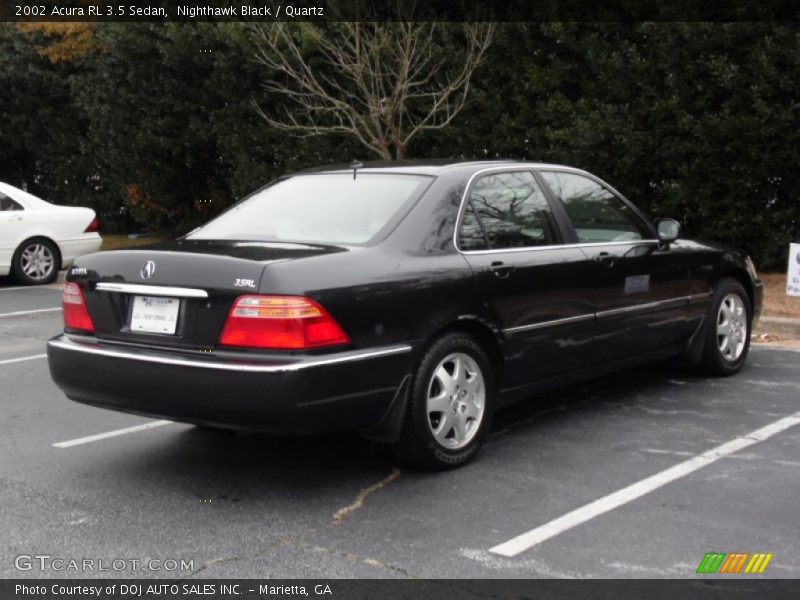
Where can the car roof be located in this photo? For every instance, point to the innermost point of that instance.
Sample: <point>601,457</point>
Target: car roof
<point>423,167</point>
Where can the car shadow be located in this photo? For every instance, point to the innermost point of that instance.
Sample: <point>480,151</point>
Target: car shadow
<point>596,394</point>
<point>7,281</point>
<point>205,461</point>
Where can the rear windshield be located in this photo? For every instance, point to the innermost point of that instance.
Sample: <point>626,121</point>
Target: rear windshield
<point>335,209</point>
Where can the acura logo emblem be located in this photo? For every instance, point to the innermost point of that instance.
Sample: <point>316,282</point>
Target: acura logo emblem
<point>148,270</point>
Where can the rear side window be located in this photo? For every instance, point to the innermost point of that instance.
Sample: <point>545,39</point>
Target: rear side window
<point>512,211</point>
<point>326,208</point>
<point>597,214</point>
<point>6,203</point>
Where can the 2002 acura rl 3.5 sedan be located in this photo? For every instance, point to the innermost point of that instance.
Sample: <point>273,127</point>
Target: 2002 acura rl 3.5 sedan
<point>407,301</point>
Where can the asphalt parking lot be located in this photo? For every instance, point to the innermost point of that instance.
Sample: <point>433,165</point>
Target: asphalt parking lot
<point>334,506</point>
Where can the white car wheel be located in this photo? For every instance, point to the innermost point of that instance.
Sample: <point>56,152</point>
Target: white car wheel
<point>36,262</point>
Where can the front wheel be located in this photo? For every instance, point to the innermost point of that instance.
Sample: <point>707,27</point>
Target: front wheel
<point>730,321</point>
<point>451,405</point>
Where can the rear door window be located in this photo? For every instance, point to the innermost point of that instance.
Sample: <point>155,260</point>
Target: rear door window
<point>511,211</point>
<point>8,204</point>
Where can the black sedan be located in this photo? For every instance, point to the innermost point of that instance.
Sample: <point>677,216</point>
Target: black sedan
<point>406,301</point>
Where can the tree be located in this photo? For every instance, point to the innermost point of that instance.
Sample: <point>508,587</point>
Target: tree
<point>62,41</point>
<point>41,128</point>
<point>164,102</point>
<point>381,83</point>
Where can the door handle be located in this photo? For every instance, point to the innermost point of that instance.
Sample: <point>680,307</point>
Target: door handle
<point>14,218</point>
<point>606,259</point>
<point>500,270</point>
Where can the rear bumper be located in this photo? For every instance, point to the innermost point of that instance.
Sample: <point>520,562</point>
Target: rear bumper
<point>343,391</point>
<point>72,249</point>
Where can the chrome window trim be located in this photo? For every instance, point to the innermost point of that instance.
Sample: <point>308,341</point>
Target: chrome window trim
<point>560,246</point>
<point>533,168</point>
<point>65,343</point>
<point>151,290</point>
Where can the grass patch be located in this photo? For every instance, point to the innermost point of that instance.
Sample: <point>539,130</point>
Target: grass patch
<point>776,302</point>
<point>122,241</point>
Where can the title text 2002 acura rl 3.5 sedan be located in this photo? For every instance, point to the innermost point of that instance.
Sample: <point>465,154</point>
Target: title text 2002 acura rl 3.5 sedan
<point>407,301</point>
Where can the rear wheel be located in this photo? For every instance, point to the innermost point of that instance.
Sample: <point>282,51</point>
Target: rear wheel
<point>36,262</point>
<point>451,405</point>
<point>728,333</point>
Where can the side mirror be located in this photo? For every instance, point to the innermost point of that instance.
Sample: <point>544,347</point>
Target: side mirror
<point>668,230</point>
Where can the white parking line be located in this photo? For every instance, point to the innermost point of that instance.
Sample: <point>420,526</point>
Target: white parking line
<point>594,509</point>
<point>109,434</point>
<point>10,361</point>
<point>29,312</point>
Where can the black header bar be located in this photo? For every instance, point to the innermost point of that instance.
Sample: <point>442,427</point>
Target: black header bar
<point>158,11</point>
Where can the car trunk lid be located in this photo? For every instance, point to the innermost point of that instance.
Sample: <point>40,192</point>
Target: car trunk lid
<point>176,295</point>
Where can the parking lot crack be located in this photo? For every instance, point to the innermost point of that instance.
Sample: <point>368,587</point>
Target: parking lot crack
<point>341,514</point>
<point>373,562</point>
<point>295,540</point>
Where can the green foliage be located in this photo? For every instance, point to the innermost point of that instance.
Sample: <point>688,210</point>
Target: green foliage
<point>166,104</point>
<point>155,126</point>
<point>41,129</point>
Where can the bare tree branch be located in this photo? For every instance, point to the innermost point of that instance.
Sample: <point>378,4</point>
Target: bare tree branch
<point>380,83</point>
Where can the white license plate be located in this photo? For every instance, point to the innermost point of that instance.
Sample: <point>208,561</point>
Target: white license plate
<point>152,314</point>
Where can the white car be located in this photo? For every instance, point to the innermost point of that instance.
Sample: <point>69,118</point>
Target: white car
<point>37,239</point>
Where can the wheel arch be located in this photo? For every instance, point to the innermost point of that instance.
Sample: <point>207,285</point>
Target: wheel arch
<point>389,429</point>
<point>739,274</point>
<point>484,333</point>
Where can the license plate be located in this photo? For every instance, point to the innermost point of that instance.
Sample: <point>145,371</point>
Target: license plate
<point>153,314</point>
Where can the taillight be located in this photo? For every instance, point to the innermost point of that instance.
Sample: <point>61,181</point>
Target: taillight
<point>74,308</point>
<point>280,322</point>
<point>93,227</point>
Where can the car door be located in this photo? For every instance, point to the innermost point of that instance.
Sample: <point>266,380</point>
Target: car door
<point>533,286</point>
<point>12,216</point>
<point>640,286</point>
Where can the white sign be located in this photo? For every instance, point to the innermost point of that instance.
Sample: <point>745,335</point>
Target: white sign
<point>793,272</point>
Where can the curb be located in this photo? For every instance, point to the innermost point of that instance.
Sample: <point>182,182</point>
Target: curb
<point>785,326</point>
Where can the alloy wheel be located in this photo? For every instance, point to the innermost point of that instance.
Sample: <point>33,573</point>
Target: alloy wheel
<point>456,400</point>
<point>731,327</point>
<point>37,262</point>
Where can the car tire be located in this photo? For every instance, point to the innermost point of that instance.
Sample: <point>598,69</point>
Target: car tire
<point>36,262</point>
<point>454,374</point>
<point>729,325</point>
